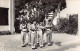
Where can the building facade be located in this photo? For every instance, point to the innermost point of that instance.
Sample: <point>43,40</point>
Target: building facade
<point>8,7</point>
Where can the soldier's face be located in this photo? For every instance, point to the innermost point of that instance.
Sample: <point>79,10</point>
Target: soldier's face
<point>34,22</point>
<point>40,23</point>
<point>26,7</point>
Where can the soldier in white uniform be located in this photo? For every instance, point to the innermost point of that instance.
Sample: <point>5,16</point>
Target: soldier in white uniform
<point>48,32</point>
<point>24,34</point>
<point>33,34</point>
<point>40,34</point>
<point>29,33</point>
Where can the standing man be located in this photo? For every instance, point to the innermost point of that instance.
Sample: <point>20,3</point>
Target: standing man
<point>29,33</point>
<point>24,34</point>
<point>40,34</point>
<point>48,30</point>
<point>33,34</point>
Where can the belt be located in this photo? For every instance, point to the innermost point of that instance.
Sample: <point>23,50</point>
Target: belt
<point>47,29</point>
<point>32,30</point>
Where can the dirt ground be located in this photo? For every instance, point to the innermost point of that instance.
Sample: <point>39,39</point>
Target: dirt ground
<point>62,42</point>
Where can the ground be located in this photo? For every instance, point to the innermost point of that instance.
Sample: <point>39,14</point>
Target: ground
<point>67,42</point>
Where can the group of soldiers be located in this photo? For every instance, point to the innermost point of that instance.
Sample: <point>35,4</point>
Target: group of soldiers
<point>34,31</point>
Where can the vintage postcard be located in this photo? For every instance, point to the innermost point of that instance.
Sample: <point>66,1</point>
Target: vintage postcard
<point>39,25</point>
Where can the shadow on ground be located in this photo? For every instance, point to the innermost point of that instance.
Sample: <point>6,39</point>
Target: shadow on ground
<point>64,48</point>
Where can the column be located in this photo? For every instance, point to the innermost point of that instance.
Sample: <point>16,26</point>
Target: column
<point>12,15</point>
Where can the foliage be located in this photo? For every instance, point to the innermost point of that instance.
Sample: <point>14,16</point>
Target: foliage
<point>47,5</point>
<point>67,26</point>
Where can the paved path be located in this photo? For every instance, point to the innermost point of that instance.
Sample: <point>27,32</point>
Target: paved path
<point>68,43</point>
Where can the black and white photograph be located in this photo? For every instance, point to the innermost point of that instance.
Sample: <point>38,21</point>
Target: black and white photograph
<point>39,25</point>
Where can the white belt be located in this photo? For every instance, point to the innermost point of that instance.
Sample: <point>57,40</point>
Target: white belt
<point>24,29</point>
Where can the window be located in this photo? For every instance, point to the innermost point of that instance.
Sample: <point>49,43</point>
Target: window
<point>3,16</point>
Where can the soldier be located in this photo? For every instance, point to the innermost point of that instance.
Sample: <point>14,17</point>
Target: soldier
<point>24,34</point>
<point>40,34</point>
<point>29,33</point>
<point>33,34</point>
<point>48,30</point>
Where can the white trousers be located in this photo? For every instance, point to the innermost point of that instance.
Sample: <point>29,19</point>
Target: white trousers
<point>24,37</point>
<point>33,33</point>
<point>48,36</point>
<point>40,37</point>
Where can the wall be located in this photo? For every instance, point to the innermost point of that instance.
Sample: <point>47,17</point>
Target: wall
<point>7,4</point>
